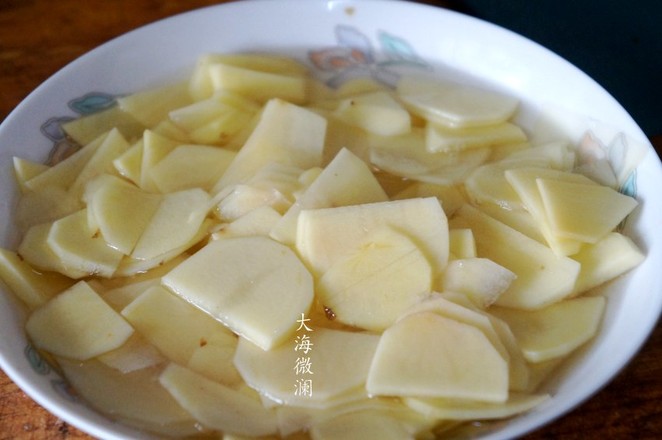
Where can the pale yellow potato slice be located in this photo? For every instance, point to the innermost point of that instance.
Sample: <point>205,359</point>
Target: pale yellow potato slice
<point>176,221</point>
<point>85,129</point>
<point>259,221</point>
<point>481,279</point>
<point>285,134</point>
<point>360,425</point>
<point>258,85</point>
<point>439,138</point>
<point>324,235</point>
<point>135,354</point>
<point>428,355</point>
<point>461,243</point>
<point>25,170</point>
<point>460,309</point>
<point>448,409</point>
<point>239,200</point>
<point>519,372</point>
<point>214,360</point>
<point>136,398</point>
<point>168,129</point>
<point>155,147</point>
<point>523,181</point>
<point>255,285</point>
<point>33,288</point>
<point>132,267</point>
<point>101,161</point>
<point>375,112</point>
<point>201,113</point>
<point>542,276</point>
<point>450,196</point>
<point>45,205</point>
<point>129,163</point>
<point>191,166</point>
<point>122,212</point>
<point>346,180</point>
<point>35,250</point>
<point>612,256</point>
<point>172,325</point>
<point>226,130</point>
<point>64,173</point>
<point>77,324</point>
<point>487,184</point>
<point>217,406</point>
<point>385,268</point>
<point>557,329</point>
<point>338,361</point>
<point>201,84</point>
<point>80,249</point>
<point>453,104</point>
<point>151,106</point>
<point>584,212</point>
<point>558,155</point>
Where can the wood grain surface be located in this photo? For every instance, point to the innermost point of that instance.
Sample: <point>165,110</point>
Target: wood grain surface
<point>38,37</point>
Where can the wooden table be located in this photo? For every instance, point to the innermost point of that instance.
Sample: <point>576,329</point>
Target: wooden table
<point>38,37</point>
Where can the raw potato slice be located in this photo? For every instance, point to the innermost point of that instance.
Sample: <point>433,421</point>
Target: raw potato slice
<point>172,325</point>
<point>135,354</point>
<point>376,112</point>
<point>152,106</point>
<point>451,197</point>
<point>542,276</point>
<point>155,148</point>
<point>122,212</point>
<point>584,212</point>
<point>325,235</point>
<point>176,221</point>
<point>346,180</point>
<point>35,250</point>
<point>254,285</point>
<point>134,398</point>
<point>523,181</point>
<point>25,170</point>
<point>32,287</point>
<point>214,360</point>
<point>65,172</point>
<point>454,104</point>
<point>556,330</point>
<point>461,243</point>
<point>129,163</point>
<point>439,138</point>
<point>388,269</point>
<point>45,205</point>
<point>428,355</point>
<point>85,129</point>
<point>191,166</point>
<point>201,84</point>
<point>217,406</point>
<point>77,324</point>
<point>605,260</point>
<point>285,134</point>
<point>259,221</point>
<point>101,161</point>
<point>461,311</point>
<point>488,184</point>
<point>338,360</point>
<point>367,424</point>
<point>447,409</point>
<point>258,85</point>
<point>80,249</point>
<point>481,279</point>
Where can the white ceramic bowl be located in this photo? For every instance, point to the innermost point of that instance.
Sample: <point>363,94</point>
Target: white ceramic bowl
<point>389,35</point>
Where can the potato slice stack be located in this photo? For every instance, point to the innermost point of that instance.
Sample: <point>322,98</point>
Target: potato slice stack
<point>252,253</point>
